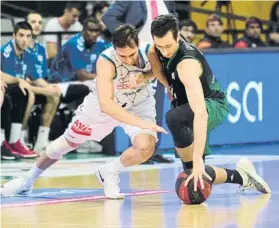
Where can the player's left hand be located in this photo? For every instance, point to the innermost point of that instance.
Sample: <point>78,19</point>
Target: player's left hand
<point>197,173</point>
<point>135,80</point>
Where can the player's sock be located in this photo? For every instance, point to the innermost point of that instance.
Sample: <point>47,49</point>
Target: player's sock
<point>233,177</point>
<point>15,132</point>
<point>116,165</point>
<point>42,139</point>
<point>187,165</point>
<point>33,174</point>
<point>2,136</point>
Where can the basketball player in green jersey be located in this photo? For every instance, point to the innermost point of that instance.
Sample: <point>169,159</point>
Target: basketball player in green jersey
<point>198,105</point>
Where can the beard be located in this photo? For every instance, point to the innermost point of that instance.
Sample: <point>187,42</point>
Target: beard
<point>18,47</point>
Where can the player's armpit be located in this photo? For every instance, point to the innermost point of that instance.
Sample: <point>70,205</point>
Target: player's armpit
<point>189,71</point>
<point>156,67</point>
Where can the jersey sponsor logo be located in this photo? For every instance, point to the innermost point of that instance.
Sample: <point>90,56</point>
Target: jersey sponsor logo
<point>7,51</point>
<point>241,104</point>
<point>81,129</point>
<point>122,86</point>
<point>40,58</point>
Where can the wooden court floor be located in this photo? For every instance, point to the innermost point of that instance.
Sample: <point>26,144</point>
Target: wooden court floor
<point>78,201</point>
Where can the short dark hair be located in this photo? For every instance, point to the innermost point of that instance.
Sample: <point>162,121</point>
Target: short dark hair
<point>163,24</point>
<point>22,25</point>
<point>32,12</point>
<point>74,5</point>
<point>188,23</point>
<point>91,20</point>
<point>125,35</point>
<point>253,20</point>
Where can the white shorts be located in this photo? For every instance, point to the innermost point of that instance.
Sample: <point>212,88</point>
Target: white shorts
<point>89,123</point>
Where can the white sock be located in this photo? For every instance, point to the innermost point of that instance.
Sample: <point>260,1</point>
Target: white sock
<point>15,132</point>
<point>116,165</point>
<point>33,174</point>
<point>42,139</point>
<point>2,136</point>
<point>24,136</point>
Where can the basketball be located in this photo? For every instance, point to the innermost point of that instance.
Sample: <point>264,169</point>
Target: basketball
<point>187,193</point>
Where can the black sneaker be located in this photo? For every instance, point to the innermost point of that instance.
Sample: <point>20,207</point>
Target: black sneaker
<point>160,159</point>
<point>7,154</point>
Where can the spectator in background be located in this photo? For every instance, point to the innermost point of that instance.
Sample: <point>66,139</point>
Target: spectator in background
<point>16,64</point>
<point>273,28</point>
<point>5,99</point>
<point>46,94</point>
<point>74,67</point>
<point>137,13</point>
<point>188,30</point>
<point>68,22</point>
<point>213,31</point>
<point>251,38</point>
<point>99,9</point>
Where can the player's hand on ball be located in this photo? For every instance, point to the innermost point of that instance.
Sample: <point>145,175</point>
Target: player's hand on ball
<point>146,124</point>
<point>135,80</point>
<point>197,173</point>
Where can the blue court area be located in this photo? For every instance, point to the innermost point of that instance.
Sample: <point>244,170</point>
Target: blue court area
<point>150,201</point>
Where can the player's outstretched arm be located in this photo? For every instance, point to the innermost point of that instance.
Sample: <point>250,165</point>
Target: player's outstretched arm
<point>189,71</point>
<point>105,75</point>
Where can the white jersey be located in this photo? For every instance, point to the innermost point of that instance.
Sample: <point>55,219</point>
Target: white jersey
<point>124,96</point>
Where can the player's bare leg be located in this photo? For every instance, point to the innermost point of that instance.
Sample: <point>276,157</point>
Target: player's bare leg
<point>23,185</point>
<point>142,149</point>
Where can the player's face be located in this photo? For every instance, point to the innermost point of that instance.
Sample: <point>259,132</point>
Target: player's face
<point>35,20</point>
<point>167,45</point>
<point>214,28</point>
<point>91,33</point>
<point>188,33</point>
<point>254,30</point>
<point>72,15</point>
<point>22,39</point>
<point>128,55</point>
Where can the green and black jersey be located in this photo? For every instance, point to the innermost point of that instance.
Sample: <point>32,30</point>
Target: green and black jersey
<point>210,85</point>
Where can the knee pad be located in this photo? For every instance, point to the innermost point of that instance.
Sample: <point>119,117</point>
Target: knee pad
<point>211,172</point>
<point>58,148</point>
<point>180,124</point>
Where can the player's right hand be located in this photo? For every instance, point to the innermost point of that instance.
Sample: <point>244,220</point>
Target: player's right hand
<point>147,124</point>
<point>23,85</point>
<point>135,80</point>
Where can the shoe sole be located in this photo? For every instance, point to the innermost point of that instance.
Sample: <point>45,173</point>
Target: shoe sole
<point>250,170</point>
<point>7,158</point>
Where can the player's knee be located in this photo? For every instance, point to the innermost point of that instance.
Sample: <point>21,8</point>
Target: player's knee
<point>59,147</point>
<point>54,99</point>
<point>145,144</point>
<point>179,121</point>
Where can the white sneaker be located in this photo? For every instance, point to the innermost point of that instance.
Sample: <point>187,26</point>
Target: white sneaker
<point>110,180</point>
<point>250,177</point>
<point>15,187</point>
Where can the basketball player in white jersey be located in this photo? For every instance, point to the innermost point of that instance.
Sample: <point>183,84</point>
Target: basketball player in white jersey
<point>111,103</point>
